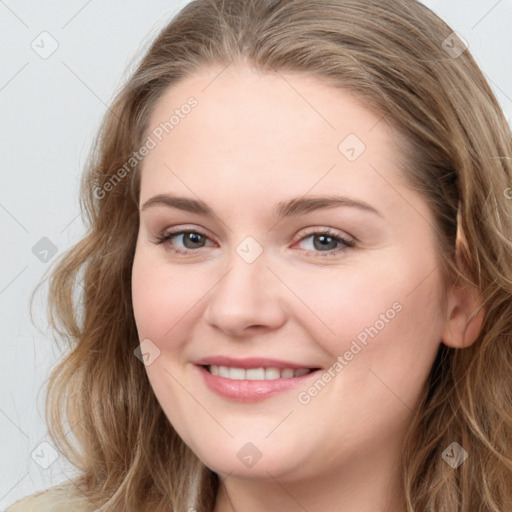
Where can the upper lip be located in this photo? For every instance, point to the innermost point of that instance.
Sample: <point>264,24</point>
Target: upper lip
<point>250,362</point>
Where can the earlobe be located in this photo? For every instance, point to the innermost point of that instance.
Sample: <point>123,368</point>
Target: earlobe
<point>465,313</point>
<point>464,317</point>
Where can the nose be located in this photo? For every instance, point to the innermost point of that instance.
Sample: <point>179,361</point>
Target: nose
<point>247,300</point>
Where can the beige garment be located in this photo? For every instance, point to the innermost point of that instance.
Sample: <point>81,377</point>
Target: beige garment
<point>61,498</point>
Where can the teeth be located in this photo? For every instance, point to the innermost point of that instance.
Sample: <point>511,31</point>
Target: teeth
<point>223,371</point>
<point>237,373</point>
<point>272,373</point>
<point>257,373</point>
<point>287,373</point>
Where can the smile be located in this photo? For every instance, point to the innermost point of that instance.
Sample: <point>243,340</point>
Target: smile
<point>252,384</point>
<point>233,373</point>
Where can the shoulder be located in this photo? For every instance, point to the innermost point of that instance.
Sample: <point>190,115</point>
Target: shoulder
<point>54,499</point>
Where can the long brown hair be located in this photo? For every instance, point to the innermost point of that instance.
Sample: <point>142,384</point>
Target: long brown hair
<point>101,411</point>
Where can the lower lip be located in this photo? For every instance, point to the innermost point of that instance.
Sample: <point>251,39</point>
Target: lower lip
<point>250,390</point>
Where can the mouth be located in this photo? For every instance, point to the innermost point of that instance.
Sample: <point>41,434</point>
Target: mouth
<point>253,384</point>
<point>262,373</point>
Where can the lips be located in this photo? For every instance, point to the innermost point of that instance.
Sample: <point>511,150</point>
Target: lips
<point>251,362</point>
<point>251,379</point>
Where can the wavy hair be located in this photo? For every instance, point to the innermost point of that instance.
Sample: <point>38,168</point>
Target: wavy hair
<point>392,55</point>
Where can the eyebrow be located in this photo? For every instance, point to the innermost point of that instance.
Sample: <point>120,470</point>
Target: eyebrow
<point>289,208</point>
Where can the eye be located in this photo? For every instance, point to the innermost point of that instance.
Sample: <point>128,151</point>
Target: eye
<point>188,239</point>
<point>326,242</point>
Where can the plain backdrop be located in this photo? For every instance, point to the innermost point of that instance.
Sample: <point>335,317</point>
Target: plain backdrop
<point>61,63</point>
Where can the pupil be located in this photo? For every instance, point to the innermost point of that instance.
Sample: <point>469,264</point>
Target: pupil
<point>193,238</point>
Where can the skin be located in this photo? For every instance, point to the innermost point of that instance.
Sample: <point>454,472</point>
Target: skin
<point>252,141</point>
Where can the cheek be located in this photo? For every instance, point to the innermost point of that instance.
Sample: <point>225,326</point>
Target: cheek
<point>168,301</point>
<point>387,333</point>
<point>163,298</point>
<point>341,302</point>
<point>163,304</point>
<point>386,318</point>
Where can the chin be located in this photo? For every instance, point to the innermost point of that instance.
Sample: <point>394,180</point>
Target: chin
<point>249,460</point>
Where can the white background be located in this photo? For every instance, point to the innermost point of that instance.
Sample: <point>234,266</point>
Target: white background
<point>50,109</point>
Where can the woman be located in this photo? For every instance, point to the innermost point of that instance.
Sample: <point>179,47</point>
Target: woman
<point>297,276</point>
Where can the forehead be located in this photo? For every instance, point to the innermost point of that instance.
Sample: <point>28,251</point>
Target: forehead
<point>266,132</point>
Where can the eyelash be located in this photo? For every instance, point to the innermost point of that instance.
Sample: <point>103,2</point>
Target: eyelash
<point>168,235</point>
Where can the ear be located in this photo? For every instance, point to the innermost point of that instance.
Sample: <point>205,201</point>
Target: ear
<point>464,315</point>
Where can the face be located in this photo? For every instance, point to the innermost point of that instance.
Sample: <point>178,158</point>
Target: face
<point>285,281</point>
